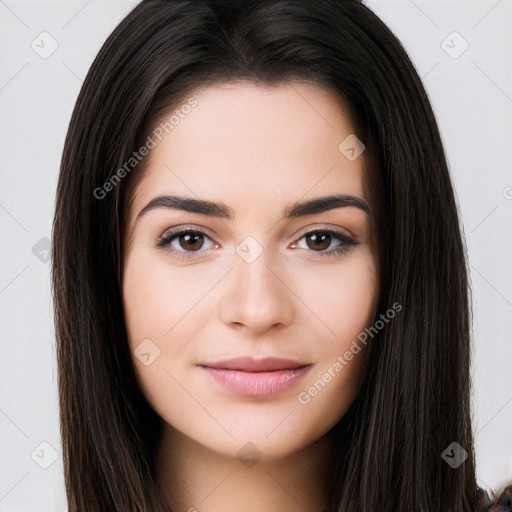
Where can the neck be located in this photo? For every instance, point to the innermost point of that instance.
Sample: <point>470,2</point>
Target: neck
<point>194,478</point>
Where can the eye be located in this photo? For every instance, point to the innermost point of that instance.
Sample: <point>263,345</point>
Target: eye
<point>187,242</point>
<point>184,243</point>
<point>319,240</point>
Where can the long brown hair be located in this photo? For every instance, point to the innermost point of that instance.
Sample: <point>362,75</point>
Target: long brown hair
<point>415,400</point>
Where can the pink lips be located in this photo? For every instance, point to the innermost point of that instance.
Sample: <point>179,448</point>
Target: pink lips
<point>256,377</point>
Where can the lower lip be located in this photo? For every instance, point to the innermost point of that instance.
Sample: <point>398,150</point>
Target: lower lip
<point>257,384</point>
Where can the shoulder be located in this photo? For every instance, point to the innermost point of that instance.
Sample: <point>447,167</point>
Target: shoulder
<point>500,501</point>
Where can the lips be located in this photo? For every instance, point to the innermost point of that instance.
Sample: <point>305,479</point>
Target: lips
<point>255,365</point>
<point>255,377</point>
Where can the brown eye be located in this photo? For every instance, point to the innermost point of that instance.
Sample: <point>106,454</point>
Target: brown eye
<point>319,242</point>
<point>185,243</point>
<point>191,242</point>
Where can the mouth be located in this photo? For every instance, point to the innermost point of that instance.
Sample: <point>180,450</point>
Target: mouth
<point>256,377</point>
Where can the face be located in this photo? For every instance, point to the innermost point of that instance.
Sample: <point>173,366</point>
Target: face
<point>255,276</point>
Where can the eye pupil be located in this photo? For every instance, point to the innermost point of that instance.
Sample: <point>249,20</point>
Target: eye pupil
<point>189,239</point>
<point>319,239</point>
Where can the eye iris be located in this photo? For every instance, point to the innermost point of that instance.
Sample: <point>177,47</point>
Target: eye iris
<point>190,239</point>
<point>318,239</point>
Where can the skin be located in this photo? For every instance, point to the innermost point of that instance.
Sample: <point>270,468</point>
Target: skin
<point>256,149</point>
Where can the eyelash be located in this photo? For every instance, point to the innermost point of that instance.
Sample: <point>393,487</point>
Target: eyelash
<point>347,242</point>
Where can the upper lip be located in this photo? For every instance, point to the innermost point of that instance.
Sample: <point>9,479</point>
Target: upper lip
<point>251,364</point>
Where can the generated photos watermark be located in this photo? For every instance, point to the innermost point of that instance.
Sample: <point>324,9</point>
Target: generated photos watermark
<point>151,142</point>
<point>341,361</point>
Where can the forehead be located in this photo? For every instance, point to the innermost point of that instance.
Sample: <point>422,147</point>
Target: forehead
<point>255,146</point>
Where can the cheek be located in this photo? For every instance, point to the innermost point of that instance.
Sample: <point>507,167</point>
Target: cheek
<point>158,297</point>
<point>161,306</point>
<point>342,297</point>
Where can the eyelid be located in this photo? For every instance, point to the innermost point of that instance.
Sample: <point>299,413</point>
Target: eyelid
<point>186,227</point>
<point>338,230</point>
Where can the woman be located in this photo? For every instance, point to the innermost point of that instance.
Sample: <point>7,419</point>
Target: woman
<point>211,354</point>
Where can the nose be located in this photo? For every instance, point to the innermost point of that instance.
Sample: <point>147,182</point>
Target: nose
<point>258,297</point>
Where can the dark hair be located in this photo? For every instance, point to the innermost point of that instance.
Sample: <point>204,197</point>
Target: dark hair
<point>415,399</point>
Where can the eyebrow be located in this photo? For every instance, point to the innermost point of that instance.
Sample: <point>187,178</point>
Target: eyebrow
<point>220,210</point>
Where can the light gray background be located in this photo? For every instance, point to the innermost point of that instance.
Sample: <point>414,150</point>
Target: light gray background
<point>471,96</point>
